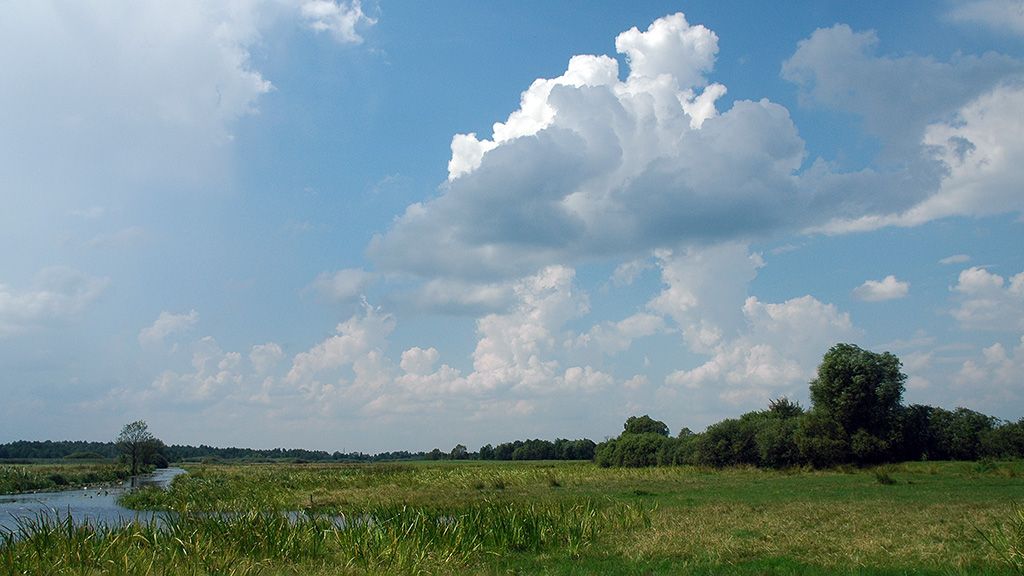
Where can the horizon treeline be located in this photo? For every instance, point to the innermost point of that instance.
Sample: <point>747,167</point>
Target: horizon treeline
<point>856,417</point>
<point>535,449</point>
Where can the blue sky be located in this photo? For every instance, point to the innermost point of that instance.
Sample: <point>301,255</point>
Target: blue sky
<point>377,226</point>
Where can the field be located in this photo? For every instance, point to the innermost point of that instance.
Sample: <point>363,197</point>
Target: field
<point>553,518</point>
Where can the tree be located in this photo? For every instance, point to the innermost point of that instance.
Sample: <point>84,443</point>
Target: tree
<point>862,392</point>
<point>460,452</point>
<point>137,444</point>
<point>644,425</point>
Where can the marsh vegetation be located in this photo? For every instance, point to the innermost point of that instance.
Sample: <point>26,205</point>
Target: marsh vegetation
<point>556,518</point>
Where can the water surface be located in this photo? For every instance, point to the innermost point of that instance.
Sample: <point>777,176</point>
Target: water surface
<point>88,505</point>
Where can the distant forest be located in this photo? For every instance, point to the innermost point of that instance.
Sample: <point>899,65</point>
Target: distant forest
<point>518,450</point>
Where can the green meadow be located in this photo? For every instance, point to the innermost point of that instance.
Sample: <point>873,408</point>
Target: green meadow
<point>551,518</point>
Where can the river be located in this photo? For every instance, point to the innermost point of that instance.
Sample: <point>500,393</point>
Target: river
<point>88,505</point>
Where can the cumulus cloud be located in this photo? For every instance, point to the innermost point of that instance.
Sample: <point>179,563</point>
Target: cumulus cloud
<point>897,97</point>
<point>515,349</point>
<point>889,288</point>
<point>954,126</point>
<point>982,149</point>
<point>994,378</point>
<point>615,337</point>
<point>670,47</point>
<point>777,353</point>
<point>592,165</point>
<point>214,375</point>
<point>58,294</point>
<point>627,272</point>
<point>264,357</point>
<point>166,324</point>
<point>704,290</point>
<point>359,340</point>
<point>987,301</point>
<point>341,19</point>
<point>1004,15</point>
<point>456,296</point>
<point>343,285</point>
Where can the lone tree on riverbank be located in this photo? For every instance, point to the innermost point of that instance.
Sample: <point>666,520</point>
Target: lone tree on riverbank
<point>137,444</point>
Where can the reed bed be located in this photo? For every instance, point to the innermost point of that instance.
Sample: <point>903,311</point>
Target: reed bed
<point>930,518</point>
<point>393,539</point>
<point>16,478</point>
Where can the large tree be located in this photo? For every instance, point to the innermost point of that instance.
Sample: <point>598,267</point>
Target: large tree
<point>137,444</point>
<point>861,391</point>
<point>644,425</point>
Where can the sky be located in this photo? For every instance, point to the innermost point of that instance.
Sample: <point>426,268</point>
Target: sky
<point>383,226</point>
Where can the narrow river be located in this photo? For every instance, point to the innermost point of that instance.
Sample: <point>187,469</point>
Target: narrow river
<point>90,505</point>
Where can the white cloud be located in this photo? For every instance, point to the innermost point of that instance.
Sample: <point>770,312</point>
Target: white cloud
<point>343,285</point>
<point>955,259</point>
<point>59,294</point>
<point>889,288</point>
<point>777,353</point>
<point>264,357</point>
<point>355,340</point>
<point>514,349</point>
<point>627,272</point>
<point>215,376</point>
<point>982,149</point>
<point>704,289</point>
<point>896,96</point>
<point>615,337</point>
<point>670,47</point>
<point>993,381</point>
<point>1005,15</point>
<point>454,296</point>
<point>591,165</point>
<point>341,19</point>
<point>953,127</point>
<point>166,324</point>
<point>988,302</point>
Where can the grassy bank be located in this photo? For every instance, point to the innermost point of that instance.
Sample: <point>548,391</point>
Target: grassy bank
<point>16,478</point>
<point>565,518</point>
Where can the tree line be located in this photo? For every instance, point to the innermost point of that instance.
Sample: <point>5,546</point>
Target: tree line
<point>856,417</point>
<point>535,449</point>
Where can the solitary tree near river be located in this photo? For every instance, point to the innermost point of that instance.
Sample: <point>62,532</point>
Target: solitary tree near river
<point>137,444</point>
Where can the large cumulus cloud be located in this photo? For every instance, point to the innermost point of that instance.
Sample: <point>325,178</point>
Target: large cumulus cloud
<point>594,166</point>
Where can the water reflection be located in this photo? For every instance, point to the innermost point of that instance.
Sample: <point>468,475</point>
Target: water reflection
<point>88,505</point>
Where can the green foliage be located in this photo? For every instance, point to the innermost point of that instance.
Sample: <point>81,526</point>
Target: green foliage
<point>776,443</point>
<point>1004,441</point>
<point>644,425</point>
<point>860,390</point>
<point>1007,540</point>
<point>730,442</point>
<point>631,450</point>
<point>821,440</point>
<point>138,446</point>
<point>44,477</point>
<point>428,518</point>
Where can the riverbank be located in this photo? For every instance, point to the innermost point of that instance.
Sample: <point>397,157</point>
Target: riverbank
<point>558,518</point>
<point>29,478</point>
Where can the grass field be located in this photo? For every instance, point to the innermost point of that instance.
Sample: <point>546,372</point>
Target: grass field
<point>553,518</point>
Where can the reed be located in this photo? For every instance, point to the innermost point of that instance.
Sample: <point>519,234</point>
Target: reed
<point>399,539</point>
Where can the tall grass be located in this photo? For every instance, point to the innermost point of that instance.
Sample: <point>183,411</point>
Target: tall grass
<point>1007,540</point>
<point>390,538</point>
<point>15,478</point>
